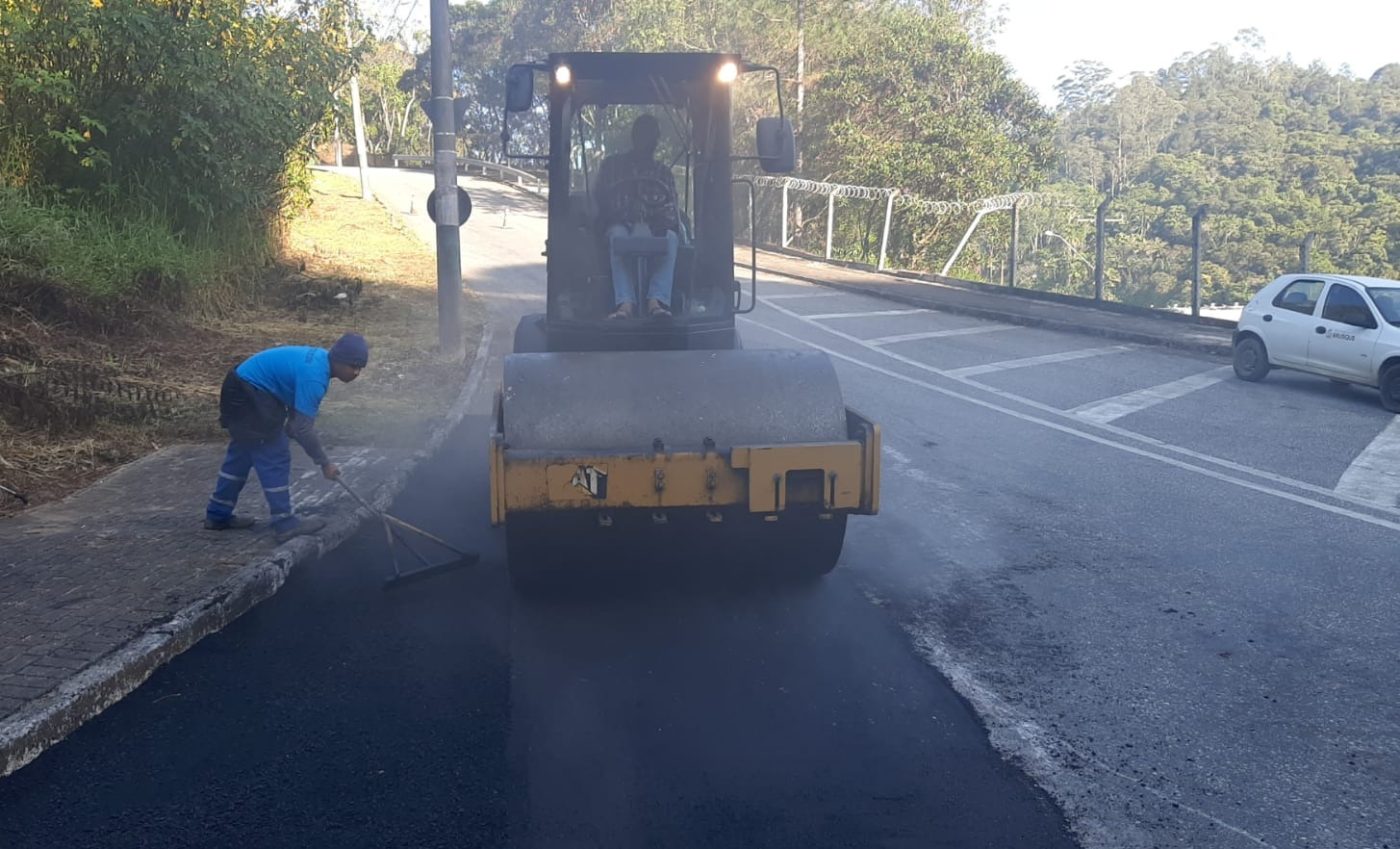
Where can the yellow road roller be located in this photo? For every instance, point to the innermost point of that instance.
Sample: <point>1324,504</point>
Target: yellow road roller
<point>629,410</point>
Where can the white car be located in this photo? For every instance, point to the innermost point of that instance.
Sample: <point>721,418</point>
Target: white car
<point>1340,326</point>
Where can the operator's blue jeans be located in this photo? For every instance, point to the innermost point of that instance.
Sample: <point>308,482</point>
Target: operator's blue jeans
<point>624,278</point>
<point>272,459</point>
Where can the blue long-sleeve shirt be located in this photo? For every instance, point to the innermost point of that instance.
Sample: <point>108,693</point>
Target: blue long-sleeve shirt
<point>298,376</point>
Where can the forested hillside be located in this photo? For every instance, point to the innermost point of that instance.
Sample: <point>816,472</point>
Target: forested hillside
<point>1273,149</point>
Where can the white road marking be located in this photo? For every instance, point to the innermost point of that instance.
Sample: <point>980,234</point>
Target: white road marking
<point>1374,475</point>
<point>1043,359</point>
<point>941,334</point>
<point>1118,406</point>
<point>872,314</point>
<point>1124,433</point>
<point>787,296</point>
<point>1071,430</point>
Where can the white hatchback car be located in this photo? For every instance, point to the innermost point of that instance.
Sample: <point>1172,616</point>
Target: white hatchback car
<point>1339,326</point>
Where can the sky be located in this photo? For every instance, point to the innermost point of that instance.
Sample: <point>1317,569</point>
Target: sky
<point>1041,38</point>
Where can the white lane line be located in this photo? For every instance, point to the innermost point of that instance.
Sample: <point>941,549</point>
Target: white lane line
<point>1374,475</point>
<point>1131,435</point>
<point>1109,409</point>
<point>941,334</point>
<point>1071,430</point>
<point>1043,359</point>
<point>872,314</point>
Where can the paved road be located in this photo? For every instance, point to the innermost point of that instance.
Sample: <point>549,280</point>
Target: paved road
<point>1169,596</point>
<point>686,712</point>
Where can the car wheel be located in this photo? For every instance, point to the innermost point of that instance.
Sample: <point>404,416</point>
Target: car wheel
<point>1251,360</point>
<point>1390,388</point>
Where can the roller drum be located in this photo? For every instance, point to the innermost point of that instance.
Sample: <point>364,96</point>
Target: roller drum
<point>624,401</point>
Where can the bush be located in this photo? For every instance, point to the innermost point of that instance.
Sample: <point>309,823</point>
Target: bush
<point>190,109</point>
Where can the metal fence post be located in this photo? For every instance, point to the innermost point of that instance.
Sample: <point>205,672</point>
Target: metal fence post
<point>1015,244</point>
<point>885,236</point>
<point>1305,252</point>
<point>1099,216</point>
<point>785,216</point>
<point>1196,221</point>
<point>830,220</point>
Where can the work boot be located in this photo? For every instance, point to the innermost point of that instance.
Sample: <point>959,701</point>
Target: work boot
<point>303,527</point>
<point>232,523</point>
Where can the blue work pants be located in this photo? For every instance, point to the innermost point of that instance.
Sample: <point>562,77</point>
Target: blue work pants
<point>272,459</point>
<point>663,273</point>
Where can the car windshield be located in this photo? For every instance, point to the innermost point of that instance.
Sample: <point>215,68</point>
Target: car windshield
<point>1387,301</point>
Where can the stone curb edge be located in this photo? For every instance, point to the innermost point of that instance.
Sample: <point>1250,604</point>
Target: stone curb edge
<point>52,717</point>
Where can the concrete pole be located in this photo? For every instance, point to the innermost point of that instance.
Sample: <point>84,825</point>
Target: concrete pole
<point>361,154</point>
<point>449,237</point>
<point>1305,252</point>
<point>339,155</point>
<point>830,221</point>
<point>1196,221</point>
<point>785,216</point>
<point>1015,245</point>
<point>1099,216</point>
<point>885,236</point>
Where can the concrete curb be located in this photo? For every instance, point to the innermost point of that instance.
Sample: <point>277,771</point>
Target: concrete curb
<point>880,290</point>
<point>49,719</point>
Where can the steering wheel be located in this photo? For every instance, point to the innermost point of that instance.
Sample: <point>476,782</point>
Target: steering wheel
<point>651,191</point>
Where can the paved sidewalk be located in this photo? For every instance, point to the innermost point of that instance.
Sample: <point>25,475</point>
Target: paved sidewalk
<point>1019,306</point>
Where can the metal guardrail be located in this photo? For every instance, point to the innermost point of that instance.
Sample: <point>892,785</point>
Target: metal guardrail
<point>832,191</point>
<point>523,179</point>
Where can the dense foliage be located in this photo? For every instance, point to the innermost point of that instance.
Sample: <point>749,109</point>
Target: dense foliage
<point>1273,150</point>
<point>185,112</point>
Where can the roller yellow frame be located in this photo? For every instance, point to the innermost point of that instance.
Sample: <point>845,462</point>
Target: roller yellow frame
<point>829,477</point>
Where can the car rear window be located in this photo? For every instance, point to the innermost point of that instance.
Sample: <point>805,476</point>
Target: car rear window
<point>1300,296</point>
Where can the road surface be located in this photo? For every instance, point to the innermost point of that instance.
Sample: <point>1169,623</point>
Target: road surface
<point>1108,582</point>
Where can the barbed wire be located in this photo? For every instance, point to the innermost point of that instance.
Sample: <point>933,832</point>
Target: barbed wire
<point>936,207</point>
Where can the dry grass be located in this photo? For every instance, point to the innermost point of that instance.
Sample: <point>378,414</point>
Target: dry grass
<point>79,404</point>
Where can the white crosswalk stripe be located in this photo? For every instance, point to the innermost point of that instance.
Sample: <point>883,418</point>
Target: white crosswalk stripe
<point>1374,475</point>
<point>1109,409</point>
<point>941,334</point>
<point>1043,359</point>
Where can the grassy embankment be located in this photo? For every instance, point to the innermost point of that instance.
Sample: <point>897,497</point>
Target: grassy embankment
<point>115,334</point>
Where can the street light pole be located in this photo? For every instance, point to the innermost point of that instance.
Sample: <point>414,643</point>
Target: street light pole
<point>449,239</point>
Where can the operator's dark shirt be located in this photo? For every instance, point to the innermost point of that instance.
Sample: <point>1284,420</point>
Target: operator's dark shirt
<point>623,204</point>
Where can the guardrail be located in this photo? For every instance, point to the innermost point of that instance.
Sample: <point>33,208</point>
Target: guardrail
<point>523,179</point>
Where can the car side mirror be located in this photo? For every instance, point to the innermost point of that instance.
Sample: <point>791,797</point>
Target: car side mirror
<point>777,146</point>
<point>520,88</point>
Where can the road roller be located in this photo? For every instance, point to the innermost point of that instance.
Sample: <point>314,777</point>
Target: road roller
<point>653,429</point>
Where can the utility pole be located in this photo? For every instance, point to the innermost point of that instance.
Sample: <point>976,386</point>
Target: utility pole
<point>801,73</point>
<point>361,154</point>
<point>449,238</point>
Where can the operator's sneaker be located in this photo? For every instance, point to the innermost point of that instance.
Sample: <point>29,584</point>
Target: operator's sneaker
<point>232,523</point>
<point>303,527</point>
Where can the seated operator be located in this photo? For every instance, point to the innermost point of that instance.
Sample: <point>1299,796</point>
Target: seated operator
<point>637,197</point>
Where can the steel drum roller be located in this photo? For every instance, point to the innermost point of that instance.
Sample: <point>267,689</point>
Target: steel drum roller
<point>623,401</point>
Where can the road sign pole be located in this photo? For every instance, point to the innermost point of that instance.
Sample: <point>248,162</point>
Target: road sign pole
<point>449,239</point>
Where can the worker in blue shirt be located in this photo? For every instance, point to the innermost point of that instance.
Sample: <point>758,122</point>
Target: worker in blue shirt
<point>270,396</point>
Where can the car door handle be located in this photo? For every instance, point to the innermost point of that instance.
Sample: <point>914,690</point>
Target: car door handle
<point>1320,330</point>
<point>1269,317</point>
